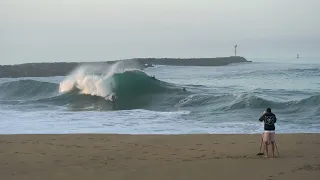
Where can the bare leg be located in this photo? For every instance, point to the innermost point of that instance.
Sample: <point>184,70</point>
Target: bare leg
<point>266,149</point>
<point>272,146</point>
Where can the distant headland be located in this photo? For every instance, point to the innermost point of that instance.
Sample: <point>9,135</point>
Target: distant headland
<point>64,68</point>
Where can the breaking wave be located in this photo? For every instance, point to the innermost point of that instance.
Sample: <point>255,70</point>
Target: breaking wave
<point>91,87</point>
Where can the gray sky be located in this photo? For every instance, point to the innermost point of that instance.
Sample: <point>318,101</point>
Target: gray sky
<point>101,30</point>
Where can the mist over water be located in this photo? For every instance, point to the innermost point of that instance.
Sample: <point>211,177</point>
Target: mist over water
<point>225,99</point>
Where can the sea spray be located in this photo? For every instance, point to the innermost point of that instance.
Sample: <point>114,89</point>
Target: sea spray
<point>133,88</point>
<point>95,80</point>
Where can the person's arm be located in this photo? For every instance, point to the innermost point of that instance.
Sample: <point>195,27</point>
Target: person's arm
<point>275,119</point>
<point>262,118</point>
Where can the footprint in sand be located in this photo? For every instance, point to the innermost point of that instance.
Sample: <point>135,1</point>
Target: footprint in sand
<point>186,160</point>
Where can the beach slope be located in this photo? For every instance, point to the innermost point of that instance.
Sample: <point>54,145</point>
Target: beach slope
<point>156,157</point>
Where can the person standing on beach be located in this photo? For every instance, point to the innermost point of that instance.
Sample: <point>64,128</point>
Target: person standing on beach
<point>269,120</point>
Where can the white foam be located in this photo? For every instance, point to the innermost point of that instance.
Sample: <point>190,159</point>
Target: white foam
<point>94,80</point>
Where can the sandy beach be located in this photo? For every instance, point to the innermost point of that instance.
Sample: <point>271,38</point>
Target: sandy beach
<point>139,157</point>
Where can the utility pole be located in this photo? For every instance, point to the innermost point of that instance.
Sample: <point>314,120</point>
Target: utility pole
<point>235,50</point>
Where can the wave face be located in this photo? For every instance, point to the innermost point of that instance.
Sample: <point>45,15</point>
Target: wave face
<point>26,89</point>
<point>132,88</point>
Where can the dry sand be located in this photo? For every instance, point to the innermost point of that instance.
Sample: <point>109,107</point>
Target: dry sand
<point>153,157</point>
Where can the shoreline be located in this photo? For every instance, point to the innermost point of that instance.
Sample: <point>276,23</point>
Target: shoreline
<point>154,134</point>
<point>154,156</point>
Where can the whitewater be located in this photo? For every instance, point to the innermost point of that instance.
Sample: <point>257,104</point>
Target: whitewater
<point>222,99</point>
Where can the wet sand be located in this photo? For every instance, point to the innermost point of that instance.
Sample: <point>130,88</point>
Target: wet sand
<point>157,157</point>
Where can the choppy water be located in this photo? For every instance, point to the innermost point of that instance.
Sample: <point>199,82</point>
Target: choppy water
<point>225,99</point>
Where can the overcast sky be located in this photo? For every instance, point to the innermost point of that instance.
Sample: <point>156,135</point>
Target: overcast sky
<point>101,30</point>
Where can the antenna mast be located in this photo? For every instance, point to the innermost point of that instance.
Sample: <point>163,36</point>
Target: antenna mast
<point>235,50</point>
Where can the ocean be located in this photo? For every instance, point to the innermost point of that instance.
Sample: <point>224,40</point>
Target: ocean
<point>217,100</point>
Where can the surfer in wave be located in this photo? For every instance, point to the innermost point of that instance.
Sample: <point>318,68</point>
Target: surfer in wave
<point>113,101</point>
